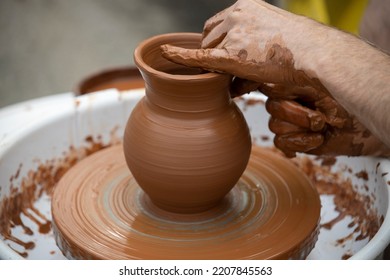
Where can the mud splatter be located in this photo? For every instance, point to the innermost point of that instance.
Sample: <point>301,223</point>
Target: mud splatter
<point>42,180</point>
<point>347,201</point>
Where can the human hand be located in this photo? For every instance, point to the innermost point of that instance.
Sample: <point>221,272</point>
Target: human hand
<point>252,40</point>
<point>267,48</point>
<point>314,123</point>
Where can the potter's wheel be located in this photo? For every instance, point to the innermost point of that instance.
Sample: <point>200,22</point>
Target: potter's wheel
<point>99,212</point>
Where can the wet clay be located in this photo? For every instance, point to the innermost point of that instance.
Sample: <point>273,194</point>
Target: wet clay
<point>348,203</point>
<point>100,212</point>
<point>19,207</point>
<point>186,142</point>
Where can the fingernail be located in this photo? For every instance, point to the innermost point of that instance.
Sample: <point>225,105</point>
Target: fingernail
<point>317,121</point>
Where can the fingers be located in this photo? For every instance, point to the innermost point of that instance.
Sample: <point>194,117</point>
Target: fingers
<point>290,138</point>
<point>224,60</point>
<point>296,128</point>
<point>218,60</point>
<point>298,142</point>
<point>187,57</point>
<point>209,26</point>
<point>335,115</point>
<point>213,28</point>
<point>280,127</point>
<point>208,44</point>
<point>290,92</point>
<point>296,114</point>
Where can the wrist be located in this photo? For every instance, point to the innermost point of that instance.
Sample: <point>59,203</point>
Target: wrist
<point>310,44</point>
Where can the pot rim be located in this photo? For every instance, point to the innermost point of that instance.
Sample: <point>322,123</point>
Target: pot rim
<point>167,38</point>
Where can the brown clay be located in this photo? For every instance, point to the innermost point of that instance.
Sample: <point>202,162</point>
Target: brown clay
<point>186,142</point>
<point>191,193</point>
<point>99,212</point>
<point>43,180</point>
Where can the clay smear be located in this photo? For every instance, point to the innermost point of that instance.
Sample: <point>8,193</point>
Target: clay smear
<point>20,203</point>
<point>348,202</point>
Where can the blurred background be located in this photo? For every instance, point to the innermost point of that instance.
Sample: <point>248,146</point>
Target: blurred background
<point>49,46</point>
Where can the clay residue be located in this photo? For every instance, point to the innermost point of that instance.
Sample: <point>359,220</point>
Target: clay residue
<point>36,183</point>
<point>326,160</point>
<point>346,256</point>
<point>264,138</point>
<point>347,201</point>
<point>362,175</point>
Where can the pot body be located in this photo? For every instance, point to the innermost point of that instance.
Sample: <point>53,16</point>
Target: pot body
<point>186,142</point>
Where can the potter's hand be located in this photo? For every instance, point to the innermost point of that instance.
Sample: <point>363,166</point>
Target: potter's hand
<point>265,47</point>
<point>313,122</point>
<point>253,41</point>
<point>250,40</point>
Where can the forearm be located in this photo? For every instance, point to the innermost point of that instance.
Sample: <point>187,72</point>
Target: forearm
<point>290,57</point>
<point>354,72</point>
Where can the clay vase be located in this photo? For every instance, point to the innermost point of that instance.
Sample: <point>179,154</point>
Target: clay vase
<point>186,142</point>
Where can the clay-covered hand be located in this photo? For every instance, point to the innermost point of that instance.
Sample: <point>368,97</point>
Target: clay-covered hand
<point>311,121</point>
<point>250,40</point>
<point>262,46</point>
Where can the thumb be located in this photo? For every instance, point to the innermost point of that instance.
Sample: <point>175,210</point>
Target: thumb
<point>214,60</point>
<point>225,60</point>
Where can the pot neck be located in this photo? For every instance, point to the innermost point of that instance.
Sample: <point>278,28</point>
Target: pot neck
<point>188,93</point>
